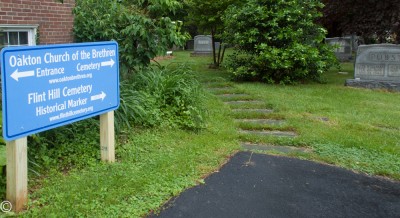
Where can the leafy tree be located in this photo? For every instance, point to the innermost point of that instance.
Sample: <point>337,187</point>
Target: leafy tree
<point>277,41</point>
<point>206,15</point>
<point>142,29</point>
<point>372,19</point>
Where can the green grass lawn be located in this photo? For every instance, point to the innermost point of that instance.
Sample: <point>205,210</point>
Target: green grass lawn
<point>355,128</point>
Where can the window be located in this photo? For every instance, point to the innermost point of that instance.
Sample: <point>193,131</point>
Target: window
<point>17,36</point>
<point>14,38</point>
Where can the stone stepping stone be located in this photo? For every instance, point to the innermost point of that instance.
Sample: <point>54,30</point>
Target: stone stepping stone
<point>261,121</point>
<point>216,85</point>
<point>252,110</point>
<point>387,128</point>
<point>220,88</point>
<point>232,95</point>
<point>276,133</point>
<point>266,147</point>
<point>243,102</point>
<point>215,80</point>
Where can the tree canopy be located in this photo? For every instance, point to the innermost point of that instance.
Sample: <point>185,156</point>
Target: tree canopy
<point>142,28</point>
<point>376,20</point>
<point>206,14</point>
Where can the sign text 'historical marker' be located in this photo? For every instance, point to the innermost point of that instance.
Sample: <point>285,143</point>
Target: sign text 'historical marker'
<point>49,86</point>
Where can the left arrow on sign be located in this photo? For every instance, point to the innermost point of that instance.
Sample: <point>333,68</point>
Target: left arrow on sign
<point>16,75</point>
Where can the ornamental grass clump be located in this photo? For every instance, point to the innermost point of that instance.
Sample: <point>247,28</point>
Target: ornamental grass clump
<point>162,97</point>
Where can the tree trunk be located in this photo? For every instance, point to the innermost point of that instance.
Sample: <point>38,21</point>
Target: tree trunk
<point>223,54</point>
<point>219,55</point>
<point>213,46</point>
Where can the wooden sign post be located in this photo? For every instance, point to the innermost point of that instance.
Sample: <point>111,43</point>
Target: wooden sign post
<point>17,173</point>
<point>17,161</point>
<point>107,138</point>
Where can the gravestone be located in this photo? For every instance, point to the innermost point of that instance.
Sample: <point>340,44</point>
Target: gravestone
<point>377,66</point>
<point>355,41</point>
<point>190,44</point>
<point>203,45</point>
<point>343,50</point>
<point>217,44</point>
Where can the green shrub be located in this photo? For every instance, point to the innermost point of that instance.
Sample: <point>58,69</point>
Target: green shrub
<point>277,41</point>
<point>162,97</point>
<point>135,108</point>
<point>241,67</point>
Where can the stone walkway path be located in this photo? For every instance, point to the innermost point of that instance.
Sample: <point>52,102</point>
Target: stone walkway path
<point>254,119</point>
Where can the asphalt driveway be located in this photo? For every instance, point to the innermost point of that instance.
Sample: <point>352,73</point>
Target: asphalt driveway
<point>258,185</point>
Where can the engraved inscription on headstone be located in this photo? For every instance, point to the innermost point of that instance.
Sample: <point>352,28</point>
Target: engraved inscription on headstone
<point>202,44</point>
<point>371,69</point>
<point>379,56</point>
<point>394,70</point>
<point>343,47</point>
<point>378,62</point>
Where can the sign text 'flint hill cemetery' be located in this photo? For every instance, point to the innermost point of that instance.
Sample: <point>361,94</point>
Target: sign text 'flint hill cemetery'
<point>49,86</point>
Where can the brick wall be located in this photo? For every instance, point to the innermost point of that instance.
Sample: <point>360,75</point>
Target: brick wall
<point>55,19</point>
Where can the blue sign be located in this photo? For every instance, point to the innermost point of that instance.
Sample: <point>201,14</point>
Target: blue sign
<point>50,86</point>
